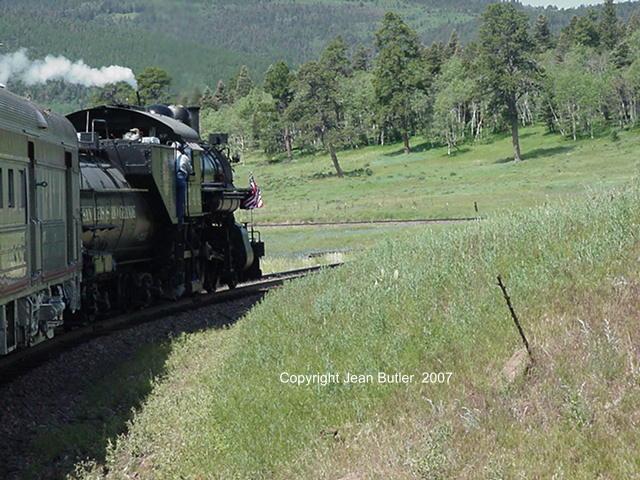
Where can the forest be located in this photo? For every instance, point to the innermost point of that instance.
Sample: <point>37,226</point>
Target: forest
<point>199,42</point>
<point>581,81</point>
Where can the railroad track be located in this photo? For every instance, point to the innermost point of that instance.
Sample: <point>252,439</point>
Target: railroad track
<point>19,363</point>
<point>364,223</point>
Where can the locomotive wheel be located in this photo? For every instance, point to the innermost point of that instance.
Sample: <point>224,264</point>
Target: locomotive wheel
<point>232,280</point>
<point>195,272</point>
<point>211,278</point>
<point>201,272</point>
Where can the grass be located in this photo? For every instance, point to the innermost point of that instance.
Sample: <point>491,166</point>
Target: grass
<point>299,247</point>
<point>282,264</point>
<point>424,303</point>
<point>383,183</point>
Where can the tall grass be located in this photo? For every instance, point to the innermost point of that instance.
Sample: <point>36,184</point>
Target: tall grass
<point>428,302</point>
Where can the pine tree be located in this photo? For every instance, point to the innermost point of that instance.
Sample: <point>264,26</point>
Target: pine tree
<point>609,27</point>
<point>434,57</point>
<point>207,101</point>
<point>586,31</point>
<point>335,59</point>
<point>278,82</point>
<point>399,74</point>
<point>542,34</point>
<point>244,84</point>
<point>621,55</point>
<point>360,59</point>
<point>453,45</point>
<point>316,107</point>
<point>506,62</point>
<point>220,97</point>
<point>154,85</point>
<point>566,39</point>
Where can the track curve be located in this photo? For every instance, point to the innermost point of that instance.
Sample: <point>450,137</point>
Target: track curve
<point>21,362</point>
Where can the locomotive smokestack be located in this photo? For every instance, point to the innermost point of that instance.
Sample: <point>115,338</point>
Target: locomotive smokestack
<point>194,112</point>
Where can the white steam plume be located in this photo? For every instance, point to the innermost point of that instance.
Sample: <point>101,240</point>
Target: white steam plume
<point>18,66</point>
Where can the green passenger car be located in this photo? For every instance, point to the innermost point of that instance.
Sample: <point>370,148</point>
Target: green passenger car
<point>40,248</point>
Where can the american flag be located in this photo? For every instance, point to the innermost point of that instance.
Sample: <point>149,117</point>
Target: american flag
<point>255,198</point>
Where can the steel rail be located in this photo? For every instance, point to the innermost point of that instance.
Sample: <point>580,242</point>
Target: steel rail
<point>364,223</point>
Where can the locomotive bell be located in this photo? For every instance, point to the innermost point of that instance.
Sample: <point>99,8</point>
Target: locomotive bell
<point>160,110</point>
<point>182,114</point>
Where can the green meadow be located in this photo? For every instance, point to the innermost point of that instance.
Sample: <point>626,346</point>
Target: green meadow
<point>384,183</point>
<point>298,247</point>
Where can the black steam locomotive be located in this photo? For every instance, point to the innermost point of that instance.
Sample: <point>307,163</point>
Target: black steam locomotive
<point>113,191</point>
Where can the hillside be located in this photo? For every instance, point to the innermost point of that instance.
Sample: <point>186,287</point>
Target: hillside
<point>202,41</point>
<point>428,303</point>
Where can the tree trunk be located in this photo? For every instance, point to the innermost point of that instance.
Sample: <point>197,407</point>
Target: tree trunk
<point>515,138</point>
<point>334,159</point>
<point>405,140</point>
<point>287,141</point>
<point>557,121</point>
<point>473,119</point>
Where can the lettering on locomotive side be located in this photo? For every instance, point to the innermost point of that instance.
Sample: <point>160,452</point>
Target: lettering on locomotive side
<point>108,213</point>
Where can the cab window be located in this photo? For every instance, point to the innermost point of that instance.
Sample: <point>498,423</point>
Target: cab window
<point>11,189</point>
<point>23,189</point>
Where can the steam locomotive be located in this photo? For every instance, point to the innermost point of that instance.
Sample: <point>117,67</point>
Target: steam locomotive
<point>88,217</point>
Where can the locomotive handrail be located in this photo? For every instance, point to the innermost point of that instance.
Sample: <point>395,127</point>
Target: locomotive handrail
<point>230,193</point>
<point>100,226</point>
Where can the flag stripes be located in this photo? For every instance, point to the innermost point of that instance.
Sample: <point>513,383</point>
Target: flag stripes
<point>255,198</point>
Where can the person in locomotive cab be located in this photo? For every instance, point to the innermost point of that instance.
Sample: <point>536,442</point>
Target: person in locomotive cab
<point>133,135</point>
<point>183,170</point>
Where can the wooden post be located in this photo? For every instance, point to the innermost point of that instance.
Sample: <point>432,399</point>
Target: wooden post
<point>514,316</point>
